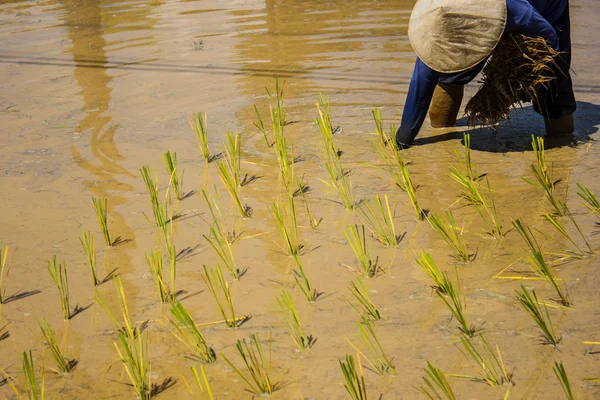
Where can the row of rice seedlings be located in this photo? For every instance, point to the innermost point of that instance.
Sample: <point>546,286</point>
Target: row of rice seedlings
<point>561,375</point>
<point>489,362</point>
<point>438,387</point>
<point>542,175</point>
<point>261,127</point>
<point>472,193</point>
<point>201,381</point>
<point>155,265</point>
<point>590,199</point>
<point>538,264</point>
<point>340,181</point>
<point>411,190</point>
<point>126,326</point>
<point>101,210</point>
<point>303,281</point>
<point>187,332</point>
<point>64,364</point>
<point>580,253</point>
<point>380,220</point>
<point>356,237</point>
<point>198,123</point>
<point>383,137</point>
<point>4,271</point>
<point>219,289</point>
<point>452,235</point>
<point>259,382</point>
<point>314,223</point>
<point>539,312</point>
<point>227,175</point>
<point>135,357</point>
<point>378,360</point>
<point>428,265</point>
<point>365,307</point>
<point>286,311</point>
<point>58,272</point>
<point>453,299</point>
<point>170,162</point>
<point>284,216</point>
<point>323,121</point>
<point>224,250</point>
<point>354,378</point>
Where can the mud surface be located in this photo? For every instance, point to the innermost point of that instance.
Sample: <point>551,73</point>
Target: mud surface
<point>90,91</point>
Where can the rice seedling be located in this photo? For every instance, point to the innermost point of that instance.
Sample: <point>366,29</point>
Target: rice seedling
<point>541,174</point>
<point>538,264</point>
<point>4,271</point>
<point>259,382</point>
<point>411,190</point>
<point>383,137</point>
<point>590,199</point>
<point>380,220</point>
<point>199,124</point>
<point>354,378</point>
<point>470,167</point>
<point>227,176</point>
<point>539,312</point>
<point>233,156</point>
<point>285,159</point>
<point>223,249</point>
<point>357,239</point>
<point>126,325</point>
<point>580,253</point>
<point>31,384</point>
<point>378,360</point>
<point>261,126</point>
<point>438,387</point>
<point>187,332</point>
<point>286,311</point>
<point>428,265</point>
<point>277,109</point>
<point>170,161</point>
<point>340,182</point>
<point>314,223</point>
<point>58,273</point>
<point>323,121</point>
<point>64,364</point>
<point>489,362</point>
<point>457,306</point>
<point>155,264</point>
<point>101,210</point>
<point>365,307</point>
<point>561,375</point>
<point>89,247</point>
<point>135,358</point>
<point>392,161</point>
<point>284,216</point>
<point>201,383</point>
<point>303,281</point>
<point>452,235</point>
<point>158,209</point>
<point>172,271</point>
<point>219,289</point>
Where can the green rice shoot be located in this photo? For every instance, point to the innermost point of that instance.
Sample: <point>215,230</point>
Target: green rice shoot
<point>64,365</point>
<point>323,121</point>
<point>561,375</point>
<point>590,199</point>
<point>155,265</point>
<point>4,271</point>
<point>201,381</point>
<point>376,356</point>
<point>456,303</point>
<point>176,181</point>
<point>437,384</point>
<point>354,378</point>
<point>539,312</point>
<point>101,210</point>
<point>30,381</point>
<point>135,357</point>
<point>488,361</point>
<point>199,123</point>
<point>126,324</point>
<point>287,313</point>
<point>89,248</point>
<point>284,217</point>
<point>340,182</point>
<point>383,137</point>
<point>378,217</point>
<point>411,190</point>
<point>542,175</point>
<point>224,250</point>
<point>364,306</point>
<point>303,281</point>
<point>227,176</point>
<point>187,332</point>
<point>58,273</point>
<point>428,265</point>
<point>261,127</point>
<point>220,292</point>
<point>452,235</point>
<point>357,240</point>
<point>579,253</point>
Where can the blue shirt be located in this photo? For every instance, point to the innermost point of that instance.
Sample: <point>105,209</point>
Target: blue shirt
<point>530,17</point>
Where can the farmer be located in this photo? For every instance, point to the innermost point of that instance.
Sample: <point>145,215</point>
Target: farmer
<point>454,38</point>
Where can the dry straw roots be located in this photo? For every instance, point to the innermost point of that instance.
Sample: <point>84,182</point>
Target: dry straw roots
<point>514,72</point>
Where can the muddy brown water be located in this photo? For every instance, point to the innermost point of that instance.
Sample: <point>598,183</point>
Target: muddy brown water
<point>93,90</point>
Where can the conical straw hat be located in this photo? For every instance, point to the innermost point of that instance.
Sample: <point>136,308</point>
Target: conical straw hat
<point>455,35</point>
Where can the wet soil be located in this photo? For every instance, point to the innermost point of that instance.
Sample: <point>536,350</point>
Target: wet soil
<point>92,91</point>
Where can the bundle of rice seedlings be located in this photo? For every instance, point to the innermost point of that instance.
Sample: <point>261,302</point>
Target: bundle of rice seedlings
<point>4,270</point>
<point>490,365</point>
<point>436,383</point>
<point>518,66</point>
<point>58,272</point>
<point>219,289</point>
<point>64,364</point>
<point>303,281</point>
<point>187,332</point>
<point>561,374</point>
<point>284,216</point>
<point>354,377</point>
<point>383,137</point>
<point>452,234</point>
<point>286,311</point>
<point>380,220</point>
<point>198,122</point>
<point>101,209</point>
<point>591,201</point>
<point>134,355</point>
<point>201,383</point>
<point>365,307</point>
<point>357,240</point>
<point>170,161</point>
<point>539,312</point>
<point>378,360</point>
<point>428,265</point>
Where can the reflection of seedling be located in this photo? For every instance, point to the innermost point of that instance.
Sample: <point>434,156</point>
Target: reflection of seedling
<point>412,192</point>
<point>201,383</point>
<point>284,215</point>
<point>538,264</point>
<point>135,358</point>
<point>219,289</point>
<point>101,209</point>
<point>354,378</point>
<point>127,326</point>
<point>590,199</point>
<point>228,178</point>
<point>58,272</point>
<point>64,365</point>
<point>366,308</point>
<point>223,249</point>
<point>380,220</point>
<point>170,161</point>
<point>357,239</point>
<point>155,264</point>
<point>561,375</point>
<point>555,223</point>
<point>383,137</point>
<point>452,299</point>
<point>425,261</point>
<point>378,359</point>
<point>286,310</point>
<point>4,270</point>
<point>452,234</point>
<point>251,353</point>
<point>539,313</point>
<point>490,365</point>
<point>541,174</point>
<point>189,334</point>
<point>438,387</point>
<point>198,122</point>
<point>303,281</point>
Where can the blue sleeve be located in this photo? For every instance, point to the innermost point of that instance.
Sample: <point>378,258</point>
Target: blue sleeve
<point>523,18</point>
<point>420,92</point>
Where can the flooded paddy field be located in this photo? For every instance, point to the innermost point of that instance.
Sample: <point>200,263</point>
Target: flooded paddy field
<point>92,91</point>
